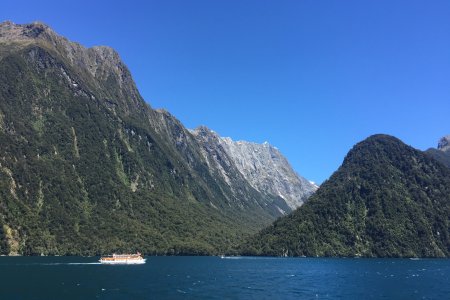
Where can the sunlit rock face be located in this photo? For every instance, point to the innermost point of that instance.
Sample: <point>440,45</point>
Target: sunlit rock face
<point>262,165</point>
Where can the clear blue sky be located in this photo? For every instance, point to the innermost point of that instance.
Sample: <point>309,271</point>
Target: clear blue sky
<point>311,77</point>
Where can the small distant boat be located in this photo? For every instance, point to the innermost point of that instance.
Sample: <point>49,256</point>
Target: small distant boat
<point>123,259</point>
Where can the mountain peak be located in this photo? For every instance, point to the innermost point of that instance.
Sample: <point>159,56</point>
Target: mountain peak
<point>202,129</point>
<point>267,170</point>
<point>103,63</point>
<point>444,143</point>
<point>381,137</point>
<point>9,31</point>
<point>40,33</point>
<point>387,199</point>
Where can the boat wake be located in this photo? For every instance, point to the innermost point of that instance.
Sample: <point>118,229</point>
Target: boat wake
<point>66,264</point>
<point>248,257</point>
<point>92,263</point>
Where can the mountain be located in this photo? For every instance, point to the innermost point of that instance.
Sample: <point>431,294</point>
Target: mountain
<point>442,153</point>
<point>386,200</point>
<point>88,167</point>
<point>262,165</point>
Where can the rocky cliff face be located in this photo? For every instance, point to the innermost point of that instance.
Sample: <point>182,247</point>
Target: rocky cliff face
<point>262,165</point>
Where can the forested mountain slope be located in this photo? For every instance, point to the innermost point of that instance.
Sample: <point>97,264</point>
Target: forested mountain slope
<point>386,200</point>
<point>88,167</point>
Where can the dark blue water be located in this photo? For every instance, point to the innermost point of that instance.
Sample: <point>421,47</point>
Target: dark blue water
<point>216,278</point>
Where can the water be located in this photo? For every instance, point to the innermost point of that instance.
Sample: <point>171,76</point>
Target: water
<point>228,278</point>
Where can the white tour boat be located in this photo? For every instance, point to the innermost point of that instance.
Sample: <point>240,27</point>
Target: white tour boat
<point>123,259</point>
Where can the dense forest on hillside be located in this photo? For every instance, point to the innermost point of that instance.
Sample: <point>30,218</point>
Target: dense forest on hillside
<point>87,167</point>
<point>386,200</point>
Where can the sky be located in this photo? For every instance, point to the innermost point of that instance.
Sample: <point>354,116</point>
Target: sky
<point>311,77</point>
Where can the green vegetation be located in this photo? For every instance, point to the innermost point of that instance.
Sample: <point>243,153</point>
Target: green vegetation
<point>86,167</point>
<point>83,170</point>
<point>386,200</point>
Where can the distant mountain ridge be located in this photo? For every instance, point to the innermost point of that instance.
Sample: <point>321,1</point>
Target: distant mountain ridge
<point>386,200</point>
<point>262,165</point>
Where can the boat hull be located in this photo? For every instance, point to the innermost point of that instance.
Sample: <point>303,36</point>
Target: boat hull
<point>123,262</point>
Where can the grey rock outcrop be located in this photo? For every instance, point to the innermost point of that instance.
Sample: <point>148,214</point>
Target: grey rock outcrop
<point>444,143</point>
<point>442,153</point>
<point>262,165</point>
